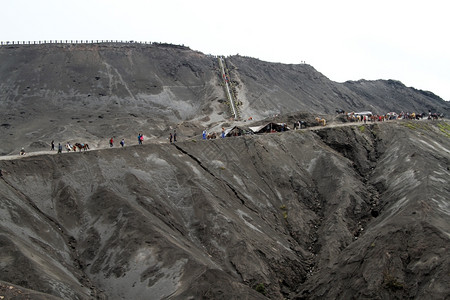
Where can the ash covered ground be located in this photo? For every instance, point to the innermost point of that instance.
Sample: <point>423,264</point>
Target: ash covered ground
<point>349,210</point>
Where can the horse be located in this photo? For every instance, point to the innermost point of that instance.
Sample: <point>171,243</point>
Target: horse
<point>434,116</point>
<point>211,136</point>
<point>322,121</point>
<point>82,146</point>
<point>299,125</point>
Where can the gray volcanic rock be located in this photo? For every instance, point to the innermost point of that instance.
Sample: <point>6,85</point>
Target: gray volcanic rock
<point>273,88</point>
<point>352,211</point>
<point>402,251</point>
<point>343,211</point>
<point>89,93</point>
<point>395,96</point>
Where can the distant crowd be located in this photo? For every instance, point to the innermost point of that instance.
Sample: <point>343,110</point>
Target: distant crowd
<point>368,116</point>
<point>268,128</point>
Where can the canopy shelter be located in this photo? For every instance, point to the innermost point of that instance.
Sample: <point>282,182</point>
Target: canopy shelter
<point>363,113</point>
<point>238,131</point>
<point>270,127</point>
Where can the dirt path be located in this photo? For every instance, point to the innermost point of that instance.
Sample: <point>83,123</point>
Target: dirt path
<point>36,153</point>
<point>329,125</point>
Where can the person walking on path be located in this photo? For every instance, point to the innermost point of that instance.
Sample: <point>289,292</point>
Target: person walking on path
<point>59,148</point>
<point>122,142</point>
<point>53,146</point>
<point>140,139</point>
<point>111,142</point>
<point>170,137</point>
<point>174,136</point>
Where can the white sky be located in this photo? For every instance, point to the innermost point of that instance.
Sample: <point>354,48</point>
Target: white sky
<point>343,39</point>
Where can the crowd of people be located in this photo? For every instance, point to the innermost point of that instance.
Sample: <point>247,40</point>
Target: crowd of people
<point>365,117</point>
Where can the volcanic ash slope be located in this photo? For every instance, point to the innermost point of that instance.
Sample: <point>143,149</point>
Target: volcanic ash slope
<point>338,213</point>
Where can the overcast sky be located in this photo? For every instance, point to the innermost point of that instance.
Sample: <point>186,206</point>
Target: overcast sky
<point>345,40</point>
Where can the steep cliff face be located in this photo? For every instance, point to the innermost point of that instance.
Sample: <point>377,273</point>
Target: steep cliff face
<point>392,95</point>
<point>91,92</point>
<point>352,211</point>
<point>101,77</point>
<point>271,88</point>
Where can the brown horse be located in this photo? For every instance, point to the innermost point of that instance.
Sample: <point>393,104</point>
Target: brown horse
<point>322,121</point>
<point>211,136</point>
<point>82,146</point>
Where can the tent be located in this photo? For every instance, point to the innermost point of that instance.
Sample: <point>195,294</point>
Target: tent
<point>238,131</point>
<point>363,113</point>
<point>270,127</point>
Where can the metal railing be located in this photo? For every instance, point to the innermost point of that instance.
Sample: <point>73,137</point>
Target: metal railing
<point>227,87</point>
<point>43,42</point>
